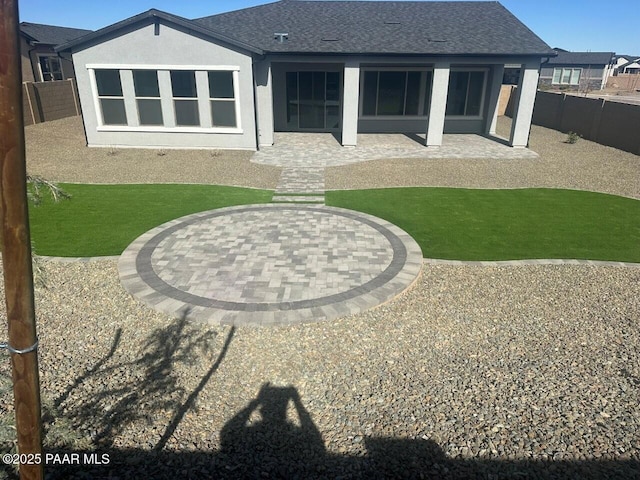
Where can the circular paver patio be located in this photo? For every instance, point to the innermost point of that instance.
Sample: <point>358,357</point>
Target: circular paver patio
<point>270,264</point>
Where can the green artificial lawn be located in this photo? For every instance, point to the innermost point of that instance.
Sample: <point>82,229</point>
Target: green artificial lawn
<point>103,219</point>
<point>463,224</point>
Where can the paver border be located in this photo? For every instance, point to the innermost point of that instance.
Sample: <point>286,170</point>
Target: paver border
<point>139,277</point>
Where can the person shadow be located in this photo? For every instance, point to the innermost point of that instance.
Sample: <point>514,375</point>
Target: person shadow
<point>274,437</point>
<point>273,434</point>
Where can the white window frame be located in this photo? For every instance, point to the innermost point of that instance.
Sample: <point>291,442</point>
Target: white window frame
<point>482,100</point>
<point>47,56</point>
<point>220,99</point>
<point>130,96</point>
<point>175,100</point>
<point>98,103</point>
<point>158,98</point>
<point>562,71</point>
<point>395,69</point>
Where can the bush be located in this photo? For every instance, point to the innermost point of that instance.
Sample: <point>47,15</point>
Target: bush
<point>573,137</point>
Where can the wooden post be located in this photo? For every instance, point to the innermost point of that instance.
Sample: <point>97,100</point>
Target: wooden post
<point>16,246</point>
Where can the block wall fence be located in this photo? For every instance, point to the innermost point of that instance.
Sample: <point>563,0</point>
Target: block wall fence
<point>45,101</point>
<point>614,124</point>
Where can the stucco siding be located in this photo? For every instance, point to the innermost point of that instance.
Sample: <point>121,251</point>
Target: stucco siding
<point>162,47</point>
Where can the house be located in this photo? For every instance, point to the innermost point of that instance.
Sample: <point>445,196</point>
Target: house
<point>631,67</point>
<point>40,61</point>
<point>347,67</point>
<point>577,70</point>
<point>626,62</point>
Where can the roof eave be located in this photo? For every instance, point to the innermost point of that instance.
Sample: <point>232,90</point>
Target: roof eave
<point>407,54</point>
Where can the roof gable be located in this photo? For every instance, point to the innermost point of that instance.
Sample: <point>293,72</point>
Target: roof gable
<point>387,27</point>
<point>149,17</point>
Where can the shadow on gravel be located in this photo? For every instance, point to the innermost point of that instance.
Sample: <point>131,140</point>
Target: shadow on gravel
<point>275,437</point>
<point>153,389</point>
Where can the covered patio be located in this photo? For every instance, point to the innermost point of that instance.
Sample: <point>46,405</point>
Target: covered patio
<point>295,149</point>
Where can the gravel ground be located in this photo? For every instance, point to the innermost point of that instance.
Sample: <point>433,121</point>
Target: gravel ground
<point>57,151</point>
<point>584,165</point>
<point>476,372</point>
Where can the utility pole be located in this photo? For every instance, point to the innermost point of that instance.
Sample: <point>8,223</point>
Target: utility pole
<point>16,248</point>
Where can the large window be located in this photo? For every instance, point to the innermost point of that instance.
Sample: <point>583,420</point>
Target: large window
<point>171,98</point>
<point>185,97</point>
<point>466,93</point>
<point>110,97</point>
<point>148,97</point>
<point>222,97</point>
<point>566,76</point>
<point>396,93</point>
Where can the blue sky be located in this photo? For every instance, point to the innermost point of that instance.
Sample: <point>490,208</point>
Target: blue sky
<point>576,25</point>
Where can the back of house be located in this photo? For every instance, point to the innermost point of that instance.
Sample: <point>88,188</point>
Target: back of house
<point>346,67</point>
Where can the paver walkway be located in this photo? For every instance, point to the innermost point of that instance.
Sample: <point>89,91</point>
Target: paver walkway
<point>300,185</point>
<point>270,264</point>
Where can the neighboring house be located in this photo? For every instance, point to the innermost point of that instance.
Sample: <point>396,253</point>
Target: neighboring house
<point>40,61</point>
<point>619,60</point>
<point>346,67</point>
<point>632,67</point>
<point>577,70</point>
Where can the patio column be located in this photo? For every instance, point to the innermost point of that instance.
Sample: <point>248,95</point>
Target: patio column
<point>264,102</point>
<point>438,106</point>
<point>497,72</point>
<point>525,99</point>
<point>350,103</point>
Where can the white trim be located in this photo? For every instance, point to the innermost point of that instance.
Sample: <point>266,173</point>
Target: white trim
<point>236,97</point>
<point>149,129</point>
<point>200,90</point>
<point>96,99</point>
<point>116,66</point>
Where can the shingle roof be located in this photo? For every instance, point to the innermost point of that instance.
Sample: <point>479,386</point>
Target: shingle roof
<point>581,58</point>
<point>389,27</point>
<point>50,34</point>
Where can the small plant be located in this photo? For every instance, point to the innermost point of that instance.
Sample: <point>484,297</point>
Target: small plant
<point>112,151</point>
<point>573,137</point>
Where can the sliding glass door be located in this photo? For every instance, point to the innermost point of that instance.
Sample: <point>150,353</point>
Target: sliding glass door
<point>313,101</point>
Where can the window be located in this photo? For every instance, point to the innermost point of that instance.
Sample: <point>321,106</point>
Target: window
<point>166,98</point>
<point>147,97</point>
<point>396,93</point>
<point>50,68</point>
<point>466,93</point>
<point>222,98</point>
<point>110,97</point>
<point>566,76</point>
<point>185,97</point>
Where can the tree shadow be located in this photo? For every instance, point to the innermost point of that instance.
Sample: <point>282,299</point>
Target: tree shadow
<point>108,411</point>
<point>274,437</point>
